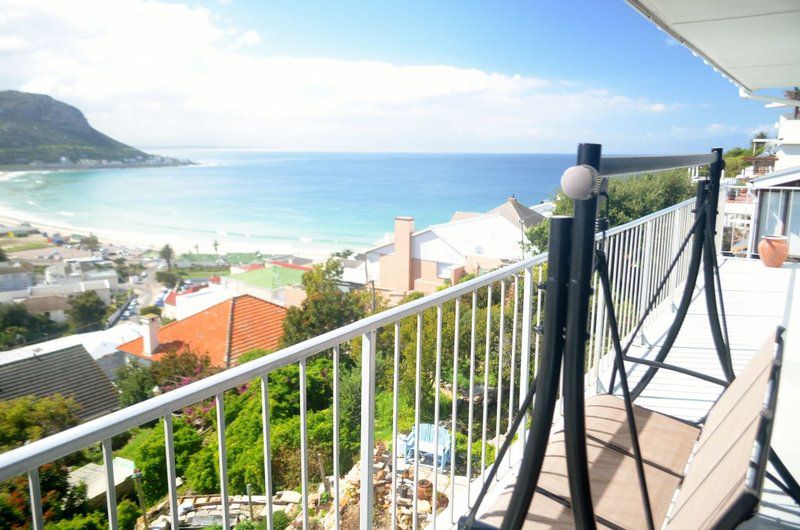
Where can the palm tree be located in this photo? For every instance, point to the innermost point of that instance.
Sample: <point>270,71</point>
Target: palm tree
<point>197,249</point>
<point>215,244</point>
<point>794,94</point>
<point>167,254</point>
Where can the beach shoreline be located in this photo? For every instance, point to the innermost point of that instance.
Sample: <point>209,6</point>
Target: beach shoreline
<point>153,241</point>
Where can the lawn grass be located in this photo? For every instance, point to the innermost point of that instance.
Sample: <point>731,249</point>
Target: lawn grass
<point>131,449</point>
<point>19,247</point>
<point>203,273</point>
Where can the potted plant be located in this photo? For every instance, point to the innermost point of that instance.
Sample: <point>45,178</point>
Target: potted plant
<point>773,250</point>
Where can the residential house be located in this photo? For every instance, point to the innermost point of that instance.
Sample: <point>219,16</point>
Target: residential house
<point>180,305</point>
<point>777,193</point>
<point>469,243</point>
<point>241,269</point>
<point>103,288</point>
<point>53,307</point>
<point>277,281</point>
<point>80,270</point>
<point>15,276</point>
<point>223,332</point>
<point>101,345</point>
<point>70,372</point>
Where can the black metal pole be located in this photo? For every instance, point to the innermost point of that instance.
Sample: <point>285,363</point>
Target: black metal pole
<point>602,269</point>
<point>580,291</point>
<point>723,351</point>
<point>688,289</point>
<point>549,370</point>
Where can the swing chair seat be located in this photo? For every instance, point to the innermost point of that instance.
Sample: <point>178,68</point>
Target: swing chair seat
<point>717,471</point>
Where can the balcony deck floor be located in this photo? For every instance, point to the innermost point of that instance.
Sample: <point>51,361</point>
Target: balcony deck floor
<point>757,299</point>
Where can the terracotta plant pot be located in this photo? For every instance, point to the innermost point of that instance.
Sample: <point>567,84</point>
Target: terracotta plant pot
<point>424,489</point>
<point>773,250</point>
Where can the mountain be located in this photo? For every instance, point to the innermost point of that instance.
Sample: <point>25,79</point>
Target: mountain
<point>36,129</point>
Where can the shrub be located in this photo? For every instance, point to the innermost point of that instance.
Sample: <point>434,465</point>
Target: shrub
<point>127,514</point>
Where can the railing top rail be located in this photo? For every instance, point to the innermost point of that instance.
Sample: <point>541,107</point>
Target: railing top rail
<point>59,445</point>
<point>629,165</point>
<point>22,459</point>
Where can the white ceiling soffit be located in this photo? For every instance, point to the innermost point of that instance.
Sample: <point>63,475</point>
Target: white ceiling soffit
<point>755,43</point>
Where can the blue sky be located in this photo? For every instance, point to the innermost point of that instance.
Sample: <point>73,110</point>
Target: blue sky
<point>384,76</point>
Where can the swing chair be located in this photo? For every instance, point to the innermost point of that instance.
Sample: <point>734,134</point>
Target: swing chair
<point>612,463</point>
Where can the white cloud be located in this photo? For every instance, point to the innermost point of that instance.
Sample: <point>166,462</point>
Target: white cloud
<point>249,38</point>
<point>720,128</point>
<point>152,73</point>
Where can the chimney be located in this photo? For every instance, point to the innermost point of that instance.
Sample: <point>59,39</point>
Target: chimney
<point>403,228</point>
<point>150,334</point>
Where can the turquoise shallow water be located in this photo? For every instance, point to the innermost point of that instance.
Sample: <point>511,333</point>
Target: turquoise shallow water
<point>280,201</point>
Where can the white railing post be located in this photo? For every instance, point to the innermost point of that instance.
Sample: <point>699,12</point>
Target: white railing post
<point>169,447</point>
<point>111,491</point>
<point>646,274</point>
<point>676,241</point>
<point>35,492</point>
<point>223,460</point>
<point>525,346</point>
<point>367,427</point>
<point>304,442</point>
<point>265,433</point>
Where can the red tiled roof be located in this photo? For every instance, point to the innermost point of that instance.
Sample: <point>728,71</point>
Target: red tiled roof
<point>290,266</point>
<point>223,331</point>
<point>171,298</point>
<point>251,267</point>
<point>215,279</point>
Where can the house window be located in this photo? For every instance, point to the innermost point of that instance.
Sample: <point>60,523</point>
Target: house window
<point>779,214</point>
<point>771,221</point>
<point>793,223</point>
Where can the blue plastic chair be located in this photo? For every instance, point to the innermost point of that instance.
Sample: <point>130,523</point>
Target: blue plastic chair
<point>440,455</point>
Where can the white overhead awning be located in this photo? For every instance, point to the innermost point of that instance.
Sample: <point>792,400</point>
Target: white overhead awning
<point>755,43</point>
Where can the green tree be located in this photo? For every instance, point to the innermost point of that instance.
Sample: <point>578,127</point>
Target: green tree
<point>86,311</point>
<point>3,255</point>
<point>629,199</point>
<point>26,419</point>
<point>166,253</point>
<point>168,279</point>
<point>127,514</point>
<point>135,383</point>
<point>178,368</point>
<point>18,326</point>
<point>92,521</point>
<point>151,457</point>
<point>326,306</point>
<point>29,418</point>
<point>150,310</point>
<point>91,242</point>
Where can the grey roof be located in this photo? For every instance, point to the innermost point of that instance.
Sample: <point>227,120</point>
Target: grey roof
<point>70,372</point>
<point>517,213</point>
<point>777,178</point>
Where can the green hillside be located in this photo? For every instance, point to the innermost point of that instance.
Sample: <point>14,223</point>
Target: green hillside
<point>35,128</point>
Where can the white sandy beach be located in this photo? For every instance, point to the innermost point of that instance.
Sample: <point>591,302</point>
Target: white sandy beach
<point>153,240</point>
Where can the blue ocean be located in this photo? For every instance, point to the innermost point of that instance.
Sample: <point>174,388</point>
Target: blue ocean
<point>278,201</point>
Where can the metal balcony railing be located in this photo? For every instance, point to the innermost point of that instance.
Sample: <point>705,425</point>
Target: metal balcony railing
<point>496,379</point>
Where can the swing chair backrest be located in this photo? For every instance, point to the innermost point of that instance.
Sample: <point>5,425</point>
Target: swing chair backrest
<point>718,488</point>
<point>725,475</point>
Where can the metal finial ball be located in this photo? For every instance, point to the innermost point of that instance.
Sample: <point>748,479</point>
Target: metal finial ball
<point>581,182</point>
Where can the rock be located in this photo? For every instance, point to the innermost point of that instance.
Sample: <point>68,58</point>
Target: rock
<point>423,506</point>
<point>289,496</point>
